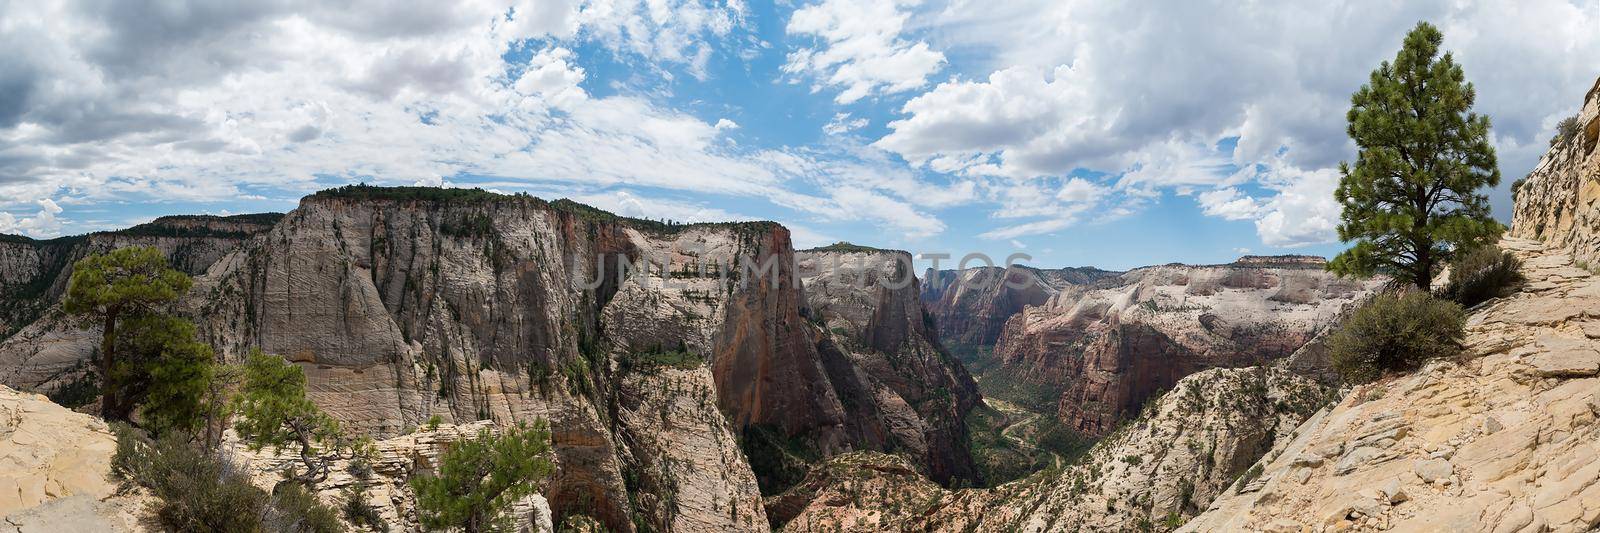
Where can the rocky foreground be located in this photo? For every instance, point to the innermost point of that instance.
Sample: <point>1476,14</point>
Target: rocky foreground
<point>1503,440</point>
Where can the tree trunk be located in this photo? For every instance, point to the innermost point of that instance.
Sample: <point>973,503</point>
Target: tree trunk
<point>110,408</point>
<point>1424,271</point>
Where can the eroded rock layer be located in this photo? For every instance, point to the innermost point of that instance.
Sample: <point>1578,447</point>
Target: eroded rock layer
<point>970,306</point>
<point>915,391</point>
<point>1503,440</point>
<point>1099,352</point>
<point>1166,466</point>
<point>659,353</point>
<point>1559,202</point>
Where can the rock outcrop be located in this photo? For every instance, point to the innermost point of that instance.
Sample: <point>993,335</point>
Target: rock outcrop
<point>913,393</point>
<point>1099,352</point>
<point>1559,202</point>
<point>1502,440</point>
<point>56,464</point>
<point>970,307</point>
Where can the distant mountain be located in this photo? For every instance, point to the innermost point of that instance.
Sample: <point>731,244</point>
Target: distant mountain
<point>970,307</point>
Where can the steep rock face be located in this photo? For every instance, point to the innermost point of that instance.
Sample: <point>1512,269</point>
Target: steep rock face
<point>1559,202</point>
<point>971,306</point>
<point>913,392</point>
<point>1108,347</point>
<point>511,308</point>
<point>37,348</point>
<point>1502,440</point>
<point>1165,466</point>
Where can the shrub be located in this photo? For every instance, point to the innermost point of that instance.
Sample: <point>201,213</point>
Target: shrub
<point>201,491</point>
<point>81,391</point>
<point>1565,131</point>
<point>1481,274</point>
<point>1395,332</point>
<point>197,491</point>
<point>295,509</point>
<point>357,511</point>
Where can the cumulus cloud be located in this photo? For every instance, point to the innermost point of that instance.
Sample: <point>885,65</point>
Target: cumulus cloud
<point>1095,85</point>
<point>202,101</point>
<point>860,48</point>
<point>43,222</point>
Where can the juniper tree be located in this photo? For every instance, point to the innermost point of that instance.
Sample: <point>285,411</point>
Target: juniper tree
<point>118,284</point>
<point>479,478</point>
<point>1411,200</point>
<point>273,411</point>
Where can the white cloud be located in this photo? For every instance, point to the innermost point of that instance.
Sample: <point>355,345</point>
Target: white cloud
<point>860,48</point>
<point>43,223</point>
<point>1229,204</point>
<point>1098,85</point>
<point>842,123</point>
<point>630,204</point>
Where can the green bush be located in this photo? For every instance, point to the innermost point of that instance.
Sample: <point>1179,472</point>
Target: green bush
<point>357,511</point>
<point>199,491</point>
<point>81,391</point>
<point>293,509</point>
<point>1481,274</point>
<point>1395,332</point>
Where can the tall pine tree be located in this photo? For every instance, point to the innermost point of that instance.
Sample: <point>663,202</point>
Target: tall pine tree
<point>1411,200</point>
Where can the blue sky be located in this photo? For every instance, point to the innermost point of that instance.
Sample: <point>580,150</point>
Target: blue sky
<point>1080,133</point>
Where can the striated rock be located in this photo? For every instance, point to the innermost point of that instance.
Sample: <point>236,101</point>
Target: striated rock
<point>1559,202</point>
<point>867,306</point>
<point>970,306</point>
<point>662,355</point>
<point>1108,347</point>
<point>38,349</point>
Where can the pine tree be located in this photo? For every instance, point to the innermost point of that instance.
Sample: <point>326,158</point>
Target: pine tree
<point>273,411</point>
<point>1411,200</point>
<point>122,283</point>
<point>478,479</point>
<point>166,371</point>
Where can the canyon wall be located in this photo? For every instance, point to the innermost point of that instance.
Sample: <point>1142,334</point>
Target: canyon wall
<point>971,306</point>
<point>1099,352</point>
<point>867,304</point>
<point>1559,202</point>
<point>664,356</point>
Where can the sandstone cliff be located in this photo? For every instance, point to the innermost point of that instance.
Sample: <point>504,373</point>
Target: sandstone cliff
<point>37,349</point>
<point>1096,353</point>
<point>1502,440</point>
<point>971,306</point>
<point>1557,202</point>
<point>914,394</point>
<point>56,467</point>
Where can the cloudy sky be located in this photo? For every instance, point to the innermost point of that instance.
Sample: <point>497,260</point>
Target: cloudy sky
<point>1113,134</point>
